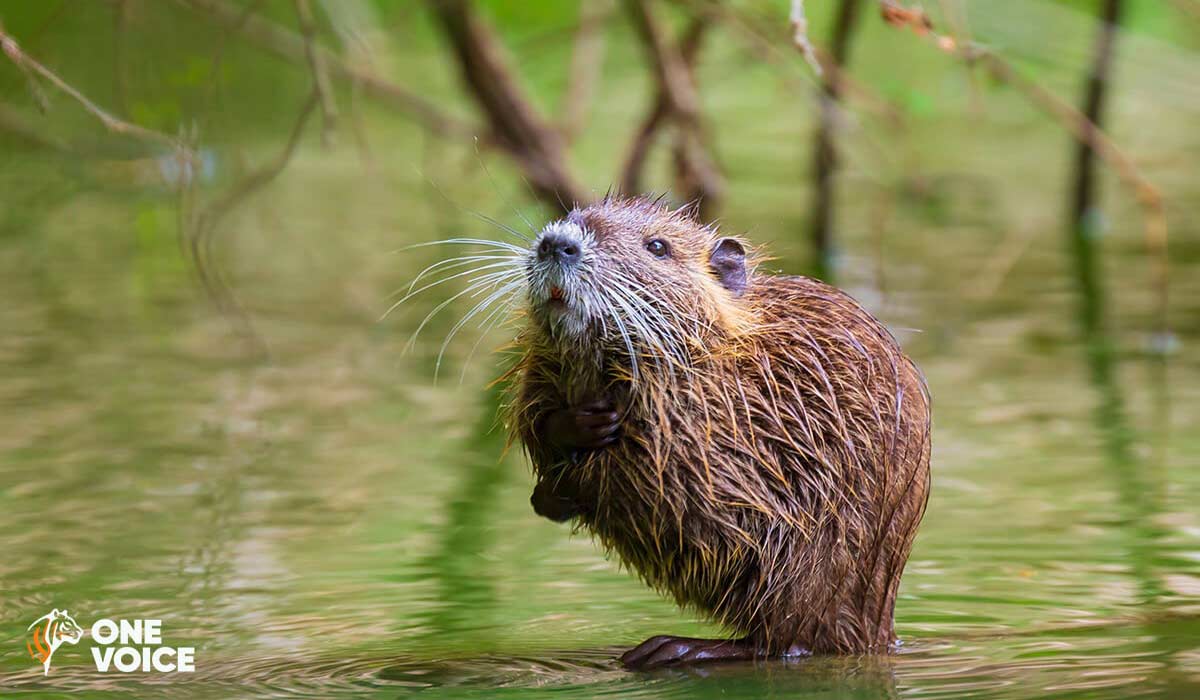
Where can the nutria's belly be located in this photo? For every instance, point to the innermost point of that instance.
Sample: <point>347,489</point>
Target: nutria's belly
<point>691,557</point>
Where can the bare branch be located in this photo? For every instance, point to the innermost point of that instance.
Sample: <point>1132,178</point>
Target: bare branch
<point>113,124</point>
<point>674,77</point>
<point>825,154</point>
<point>288,46</point>
<point>587,59</point>
<point>800,36</point>
<point>677,102</point>
<point>316,64</point>
<point>200,229</point>
<point>656,117</point>
<point>516,125</point>
<point>755,39</point>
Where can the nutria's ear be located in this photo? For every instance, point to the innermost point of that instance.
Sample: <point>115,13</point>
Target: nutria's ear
<point>728,261</point>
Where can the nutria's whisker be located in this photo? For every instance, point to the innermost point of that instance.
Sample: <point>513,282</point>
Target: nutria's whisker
<point>645,330</point>
<point>486,326</point>
<point>491,279</point>
<point>654,325</point>
<point>633,360</point>
<point>495,296</point>
<point>511,247</point>
<point>510,265</point>
<point>507,229</point>
<point>454,263</point>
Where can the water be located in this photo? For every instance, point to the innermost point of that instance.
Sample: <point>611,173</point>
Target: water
<point>319,517</point>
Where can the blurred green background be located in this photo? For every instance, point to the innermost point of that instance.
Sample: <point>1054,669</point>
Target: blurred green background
<point>204,419</point>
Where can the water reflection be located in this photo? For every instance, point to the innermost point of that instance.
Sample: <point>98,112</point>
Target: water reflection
<point>459,564</point>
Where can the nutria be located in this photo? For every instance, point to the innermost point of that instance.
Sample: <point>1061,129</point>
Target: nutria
<point>755,445</point>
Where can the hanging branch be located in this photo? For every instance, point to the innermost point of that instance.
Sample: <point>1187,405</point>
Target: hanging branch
<point>676,102</point>
<point>289,46</point>
<point>515,124</point>
<point>1078,124</point>
<point>117,126</point>
<point>316,64</point>
<point>587,58</point>
<point>199,228</point>
<point>825,156</point>
<point>639,149</point>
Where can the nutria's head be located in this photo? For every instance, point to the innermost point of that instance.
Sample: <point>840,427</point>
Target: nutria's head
<point>636,277</point>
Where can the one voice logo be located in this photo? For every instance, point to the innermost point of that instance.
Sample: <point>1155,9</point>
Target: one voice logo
<point>47,634</point>
<point>126,645</point>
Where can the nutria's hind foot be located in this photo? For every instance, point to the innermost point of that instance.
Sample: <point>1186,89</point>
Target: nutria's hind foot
<point>665,650</point>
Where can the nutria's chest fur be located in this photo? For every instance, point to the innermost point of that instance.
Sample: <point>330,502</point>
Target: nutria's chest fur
<point>775,484</point>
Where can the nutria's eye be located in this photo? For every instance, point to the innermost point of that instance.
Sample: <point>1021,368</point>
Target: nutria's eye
<point>658,248</point>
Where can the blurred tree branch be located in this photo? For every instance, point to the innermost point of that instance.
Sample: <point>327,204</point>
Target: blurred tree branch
<point>199,225</point>
<point>799,23</point>
<point>291,47</point>
<point>676,102</point>
<point>515,123</point>
<point>587,59</point>
<point>316,63</point>
<point>118,126</point>
<point>825,155</point>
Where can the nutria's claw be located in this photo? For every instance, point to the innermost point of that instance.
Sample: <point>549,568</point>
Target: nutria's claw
<point>665,650</point>
<point>587,426</point>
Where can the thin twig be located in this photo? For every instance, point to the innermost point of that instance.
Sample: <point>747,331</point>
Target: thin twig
<point>289,46</point>
<point>800,36</point>
<point>316,64</point>
<point>113,124</point>
<point>213,92</point>
<point>200,228</point>
<point>587,59</point>
<point>755,39</point>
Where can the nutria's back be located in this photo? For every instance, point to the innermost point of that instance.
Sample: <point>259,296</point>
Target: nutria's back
<point>774,477</point>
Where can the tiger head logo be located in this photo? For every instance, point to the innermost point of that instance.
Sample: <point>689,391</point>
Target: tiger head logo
<point>48,632</point>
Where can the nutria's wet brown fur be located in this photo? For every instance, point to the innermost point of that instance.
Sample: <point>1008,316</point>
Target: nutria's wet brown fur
<point>771,472</point>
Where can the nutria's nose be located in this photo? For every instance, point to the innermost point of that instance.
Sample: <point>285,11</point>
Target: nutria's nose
<point>560,248</point>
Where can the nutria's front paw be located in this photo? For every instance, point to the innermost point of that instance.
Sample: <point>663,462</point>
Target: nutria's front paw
<point>587,426</point>
<point>550,504</point>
